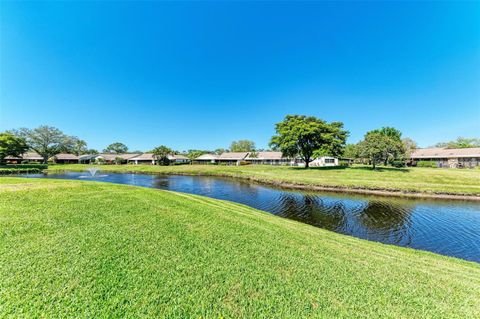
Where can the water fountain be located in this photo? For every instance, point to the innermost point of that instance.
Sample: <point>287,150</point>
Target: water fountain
<point>93,173</point>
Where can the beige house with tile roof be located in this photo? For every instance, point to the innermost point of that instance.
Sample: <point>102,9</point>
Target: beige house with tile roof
<point>32,157</point>
<point>448,157</point>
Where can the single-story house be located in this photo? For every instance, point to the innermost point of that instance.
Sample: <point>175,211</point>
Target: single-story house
<point>268,158</point>
<point>64,158</point>
<point>145,158</point>
<point>111,158</point>
<point>30,157</point>
<point>324,161</point>
<point>177,158</point>
<point>232,158</point>
<point>206,159</point>
<point>448,157</point>
<point>87,158</point>
<point>149,159</point>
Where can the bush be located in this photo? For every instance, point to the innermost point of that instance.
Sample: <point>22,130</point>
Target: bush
<point>426,164</point>
<point>25,166</point>
<point>343,163</point>
<point>398,164</point>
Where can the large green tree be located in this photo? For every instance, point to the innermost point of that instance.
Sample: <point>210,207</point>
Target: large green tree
<point>11,145</point>
<point>160,154</point>
<point>77,146</point>
<point>303,136</point>
<point>116,148</point>
<point>47,141</point>
<point>379,148</point>
<point>242,146</point>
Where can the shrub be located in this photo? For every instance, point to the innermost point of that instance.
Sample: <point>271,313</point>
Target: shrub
<point>25,166</point>
<point>398,164</point>
<point>343,163</point>
<point>426,164</point>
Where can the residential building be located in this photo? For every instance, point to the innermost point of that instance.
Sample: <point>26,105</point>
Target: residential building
<point>149,159</point>
<point>30,157</point>
<point>232,158</point>
<point>268,158</point>
<point>206,159</point>
<point>324,161</point>
<point>87,158</point>
<point>448,157</point>
<point>112,158</point>
<point>64,158</point>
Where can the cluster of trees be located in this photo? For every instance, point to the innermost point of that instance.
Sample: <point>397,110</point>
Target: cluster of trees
<point>382,146</point>
<point>47,141</point>
<point>460,142</point>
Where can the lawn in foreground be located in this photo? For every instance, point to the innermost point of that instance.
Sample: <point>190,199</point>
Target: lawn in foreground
<point>422,180</point>
<point>89,249</point>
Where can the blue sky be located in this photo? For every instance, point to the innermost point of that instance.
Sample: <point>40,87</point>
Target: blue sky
<point>202,74</point>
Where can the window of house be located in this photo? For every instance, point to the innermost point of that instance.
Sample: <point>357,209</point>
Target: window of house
<point>329,161</point>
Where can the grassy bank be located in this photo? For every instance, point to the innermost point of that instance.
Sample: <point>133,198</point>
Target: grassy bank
<point>416,180</point>
<point>79,249</point>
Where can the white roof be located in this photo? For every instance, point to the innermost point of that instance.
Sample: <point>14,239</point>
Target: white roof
<point>233,156</point>
<point>207,157</point>
<point>265,156</point>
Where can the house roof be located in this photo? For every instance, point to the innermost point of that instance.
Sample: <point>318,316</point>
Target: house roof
<point>26,156</point>
<point>446,152</point>
<point>142,157</point>
<point>112,157</point>
<point>177,157</point>
<point>150,157</point>
<point>234,156</point>
<point>207,157</point>
<point>87,156</point>
<point>265,156</point>
<point>65,156</point>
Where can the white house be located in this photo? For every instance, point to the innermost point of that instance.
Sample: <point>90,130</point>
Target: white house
<point>268,158</point>
<point>206,159</point>
<point>323,161</point>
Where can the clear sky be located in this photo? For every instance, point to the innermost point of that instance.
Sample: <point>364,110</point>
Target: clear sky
<point>201,74</point>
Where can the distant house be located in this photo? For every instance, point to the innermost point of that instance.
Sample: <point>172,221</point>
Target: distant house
<point>64,158</point>
<point>232,158</point>
<point>149,159</point>
<point>87,158</point>
<point>448,157</point>
<point>268,158</point>
<point>206,159</point>
<point>145,158</point>
<point>179,159</point>
<point>324,161</point>
<point>111,158</point>
<point>30,157</point>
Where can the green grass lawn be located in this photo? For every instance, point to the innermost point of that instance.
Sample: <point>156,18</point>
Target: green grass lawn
<point>423,180</point>
<point>96,250</point>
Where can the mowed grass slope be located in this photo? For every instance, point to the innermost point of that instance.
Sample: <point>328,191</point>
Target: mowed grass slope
<point>89,250</point>
<point>422,180</point>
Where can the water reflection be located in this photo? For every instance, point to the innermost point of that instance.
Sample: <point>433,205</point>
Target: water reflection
<point>446,227</point>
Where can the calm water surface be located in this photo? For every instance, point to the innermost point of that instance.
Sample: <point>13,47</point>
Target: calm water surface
<point>446,227</point>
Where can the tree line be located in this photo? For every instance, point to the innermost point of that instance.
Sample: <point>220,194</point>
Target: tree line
<point>297,136</point>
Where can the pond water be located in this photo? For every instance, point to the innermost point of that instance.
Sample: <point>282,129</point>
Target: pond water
<point>446,227</point>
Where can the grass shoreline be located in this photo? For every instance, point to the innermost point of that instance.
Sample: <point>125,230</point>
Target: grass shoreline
<point>90,249</point>
<point>317,183</point>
